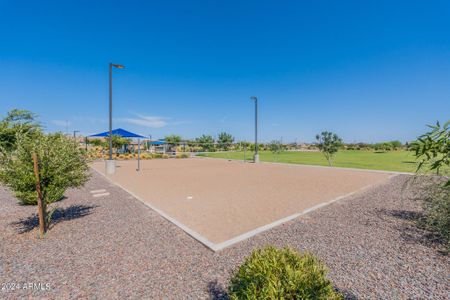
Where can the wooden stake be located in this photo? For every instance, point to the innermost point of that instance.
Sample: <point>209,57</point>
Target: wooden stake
<point>41,204</point>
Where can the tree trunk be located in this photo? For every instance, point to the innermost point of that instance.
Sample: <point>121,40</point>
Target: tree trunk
<point>40,201</point>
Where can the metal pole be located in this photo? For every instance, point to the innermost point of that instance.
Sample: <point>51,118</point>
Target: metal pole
<point>110,111</point>
<point>150,144</point>
<point>139,155</point>
<point>256,126</point>
<point>245,150</point>
<point>256,158</point>
<point>75,137</point>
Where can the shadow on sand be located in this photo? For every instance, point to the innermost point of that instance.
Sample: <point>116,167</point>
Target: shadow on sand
<point>60,215</point>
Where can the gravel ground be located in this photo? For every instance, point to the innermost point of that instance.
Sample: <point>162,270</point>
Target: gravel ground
<point>114,247</point>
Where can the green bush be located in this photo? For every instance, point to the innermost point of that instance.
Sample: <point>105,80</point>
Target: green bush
<point>272,273</point>
<point>432,150</point>
<point>62,165</point>
<point>436,207</point>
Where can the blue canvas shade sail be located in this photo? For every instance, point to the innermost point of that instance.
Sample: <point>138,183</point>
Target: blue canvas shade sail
<point>158,143</point>
<point>125,134</point>
<point>119,132</point>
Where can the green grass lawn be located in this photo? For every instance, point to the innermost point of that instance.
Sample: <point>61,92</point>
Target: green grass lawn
<point>401,161</point>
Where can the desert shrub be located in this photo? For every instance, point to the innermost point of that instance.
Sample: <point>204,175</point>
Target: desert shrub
<point>432,150</point>
<point>165,156</point>
<point>272,273</point>
<point>182,155</point>
<point>436,208</point>
<point>146,156</point>
<point>156,155</point>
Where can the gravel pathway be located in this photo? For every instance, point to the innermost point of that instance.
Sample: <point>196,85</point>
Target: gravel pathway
<point>113,247</point>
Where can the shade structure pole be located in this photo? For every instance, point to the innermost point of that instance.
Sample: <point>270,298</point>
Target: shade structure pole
<point>139,155</point>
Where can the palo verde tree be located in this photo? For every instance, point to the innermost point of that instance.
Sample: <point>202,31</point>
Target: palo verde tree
<point>173,139</point>
<point>206,142</point>
<point>276,148</point>
<point>224,140</point>
<point>41,168</point>
<point>329,143</point>
<point>432,149</point>
<point>17,122</point>
<point>118,141</point>
<point>98,142</point>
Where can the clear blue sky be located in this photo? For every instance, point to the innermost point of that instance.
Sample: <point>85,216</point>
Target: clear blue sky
<point>367,70</point>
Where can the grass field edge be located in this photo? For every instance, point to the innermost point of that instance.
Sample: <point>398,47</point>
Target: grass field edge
<point>314,166</point>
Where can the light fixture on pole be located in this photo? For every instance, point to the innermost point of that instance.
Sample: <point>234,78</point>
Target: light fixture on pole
<point>110,164</point>
<point>256,157</point>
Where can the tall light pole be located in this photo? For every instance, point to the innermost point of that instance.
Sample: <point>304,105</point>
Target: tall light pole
<point>256,158</point>
<point>110,167</point>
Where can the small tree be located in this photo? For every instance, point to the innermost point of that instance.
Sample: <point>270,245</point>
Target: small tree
<point>118,141</point>
<point>17,122</point>
<point>329,144</point>
<point>173,139</point>
<point>60,165</point>
<point>206,142</point>
<point>99,142</point>
<point>432,149</point>
<point>225,140</point>
<point>396,144</point>
<point>275,147</point>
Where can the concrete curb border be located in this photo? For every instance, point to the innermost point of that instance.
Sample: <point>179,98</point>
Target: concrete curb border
<point>183,227</point>
<point>312,166</point>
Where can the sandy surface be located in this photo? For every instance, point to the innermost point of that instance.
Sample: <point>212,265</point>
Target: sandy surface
<point>115,247</point>
<point>222,199</point>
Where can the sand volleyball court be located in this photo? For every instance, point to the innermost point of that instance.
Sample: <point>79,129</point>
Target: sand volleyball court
<point>221,202</point>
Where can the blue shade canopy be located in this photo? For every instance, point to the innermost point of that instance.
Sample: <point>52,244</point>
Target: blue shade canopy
<point>120,132</point>
<point>157,143</point>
